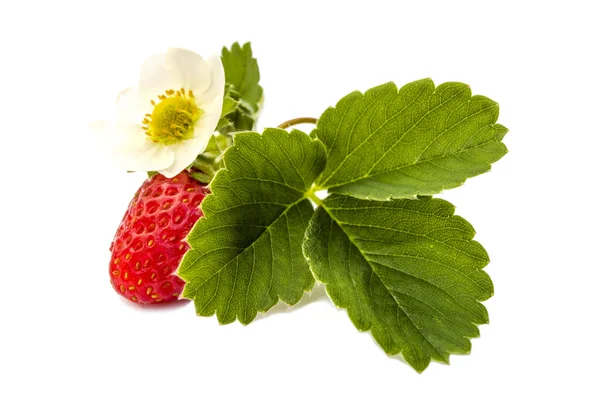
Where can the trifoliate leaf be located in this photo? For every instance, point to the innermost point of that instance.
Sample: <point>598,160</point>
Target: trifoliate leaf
<point>247,250</point>
<point>407,270</point>
<point>242,77</point>
<point>417,140</point>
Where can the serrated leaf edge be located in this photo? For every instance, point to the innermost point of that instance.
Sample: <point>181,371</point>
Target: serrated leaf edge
<point>321,182</point>
<point>368,329</point>
<point>306,196</point>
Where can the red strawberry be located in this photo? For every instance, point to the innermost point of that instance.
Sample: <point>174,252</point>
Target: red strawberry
<point>150,240</point>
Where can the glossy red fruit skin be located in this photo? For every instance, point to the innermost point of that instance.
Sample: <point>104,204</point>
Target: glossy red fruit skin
<point>150,241</point>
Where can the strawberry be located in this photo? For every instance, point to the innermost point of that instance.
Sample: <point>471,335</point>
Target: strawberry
<point>150,241</point>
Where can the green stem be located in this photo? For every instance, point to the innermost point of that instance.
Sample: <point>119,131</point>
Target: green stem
<point>310,194</point>
<point>297,121</point>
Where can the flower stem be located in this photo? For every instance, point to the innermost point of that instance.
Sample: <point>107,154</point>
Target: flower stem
<point>310,195</point>
<point>297,121</point>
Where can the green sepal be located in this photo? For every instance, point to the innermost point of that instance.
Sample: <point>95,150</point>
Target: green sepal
<point>229,106</point>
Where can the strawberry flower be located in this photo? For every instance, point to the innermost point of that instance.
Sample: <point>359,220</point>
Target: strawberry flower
<point>164,122</point>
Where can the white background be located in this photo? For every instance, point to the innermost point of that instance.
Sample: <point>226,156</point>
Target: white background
<point>66,336</point>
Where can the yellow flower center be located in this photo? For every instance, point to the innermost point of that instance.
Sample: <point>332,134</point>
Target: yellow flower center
<point>173,117</point>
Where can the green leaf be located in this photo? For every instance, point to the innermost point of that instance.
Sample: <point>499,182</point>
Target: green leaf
<point>241,71</point>
<point>242,77</point>
<point>407,270</point>
<point>246,253</point>
<point>419,140</point>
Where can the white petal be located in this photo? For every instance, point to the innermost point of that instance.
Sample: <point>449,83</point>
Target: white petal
<point>211,101</point>
<point>129,108</point>
<point>185,153</point>
<point>153,157</point>
<point>154,79</point>
<point>187,70</point>
<point>130,137</point>
<point>207,123</point>
<point>217,81</point>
